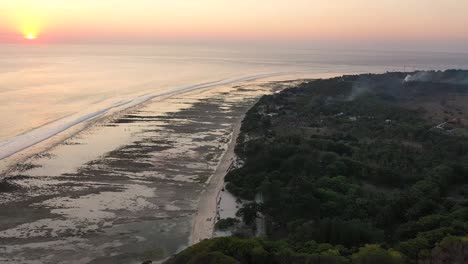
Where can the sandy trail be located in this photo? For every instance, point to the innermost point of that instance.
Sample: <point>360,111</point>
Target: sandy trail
<point>205,218</point>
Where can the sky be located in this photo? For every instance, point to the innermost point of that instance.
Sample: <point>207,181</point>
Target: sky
<point>394,23</point>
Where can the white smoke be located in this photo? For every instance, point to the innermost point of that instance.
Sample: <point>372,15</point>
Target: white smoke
<point>359,88</point>
<point>419,77</point>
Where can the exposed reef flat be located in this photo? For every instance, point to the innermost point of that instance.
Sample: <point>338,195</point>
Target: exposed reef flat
<point>126,189</point>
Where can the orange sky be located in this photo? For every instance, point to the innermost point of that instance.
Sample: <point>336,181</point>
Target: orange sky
<point>293,20</point>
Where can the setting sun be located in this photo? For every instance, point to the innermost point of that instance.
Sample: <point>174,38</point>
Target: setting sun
<point>30,36</point>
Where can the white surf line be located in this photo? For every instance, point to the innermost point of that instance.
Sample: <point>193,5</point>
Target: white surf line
<point>18,143</point>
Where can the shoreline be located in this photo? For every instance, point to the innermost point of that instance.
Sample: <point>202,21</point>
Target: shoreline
<point>208,210</point>
<point>157,182</point>
<point>17,144</point>
<point>46,142</point>
<point>205,218</point>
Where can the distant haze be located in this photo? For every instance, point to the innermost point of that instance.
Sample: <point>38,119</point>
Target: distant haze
<point>383,24</point>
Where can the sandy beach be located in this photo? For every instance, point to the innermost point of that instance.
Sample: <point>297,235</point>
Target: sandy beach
<point>205,218</point>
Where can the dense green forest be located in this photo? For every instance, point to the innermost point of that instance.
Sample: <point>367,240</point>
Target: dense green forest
<point>355,169</point>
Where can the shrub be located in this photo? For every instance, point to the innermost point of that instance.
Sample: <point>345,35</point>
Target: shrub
<point>372,254</point>
<point>227,223</point>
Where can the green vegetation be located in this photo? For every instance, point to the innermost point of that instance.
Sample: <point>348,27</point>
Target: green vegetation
<point>370,254</point>
<point>238,250</point>
<point>352,169</point>
<point>224,224</point>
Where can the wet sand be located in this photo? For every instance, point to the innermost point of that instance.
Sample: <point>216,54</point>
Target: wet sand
<point>126,189</point>
<point>205,218</point>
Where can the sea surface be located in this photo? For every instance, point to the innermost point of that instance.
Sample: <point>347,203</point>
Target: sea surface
<point>106,149</point>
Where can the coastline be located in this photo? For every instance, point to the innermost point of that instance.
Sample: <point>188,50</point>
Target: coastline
<point>21,147</point>
<point>356,173</point>
<point>132,184</point>
<point>205,218</point>
<point>208,209</point>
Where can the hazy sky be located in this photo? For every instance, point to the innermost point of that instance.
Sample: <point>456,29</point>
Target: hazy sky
<point>441,23</point>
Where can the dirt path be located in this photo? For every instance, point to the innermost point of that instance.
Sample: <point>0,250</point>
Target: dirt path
<point>205,219</point>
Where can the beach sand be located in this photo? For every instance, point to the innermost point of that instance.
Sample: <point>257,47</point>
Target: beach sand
<point>205,218</point>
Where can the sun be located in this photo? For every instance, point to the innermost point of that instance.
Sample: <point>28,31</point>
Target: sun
<point>30,36</point>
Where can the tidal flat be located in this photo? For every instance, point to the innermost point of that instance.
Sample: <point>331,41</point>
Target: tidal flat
<point>125,189</point>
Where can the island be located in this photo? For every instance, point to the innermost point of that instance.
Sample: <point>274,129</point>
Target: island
<point>369,168</point>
